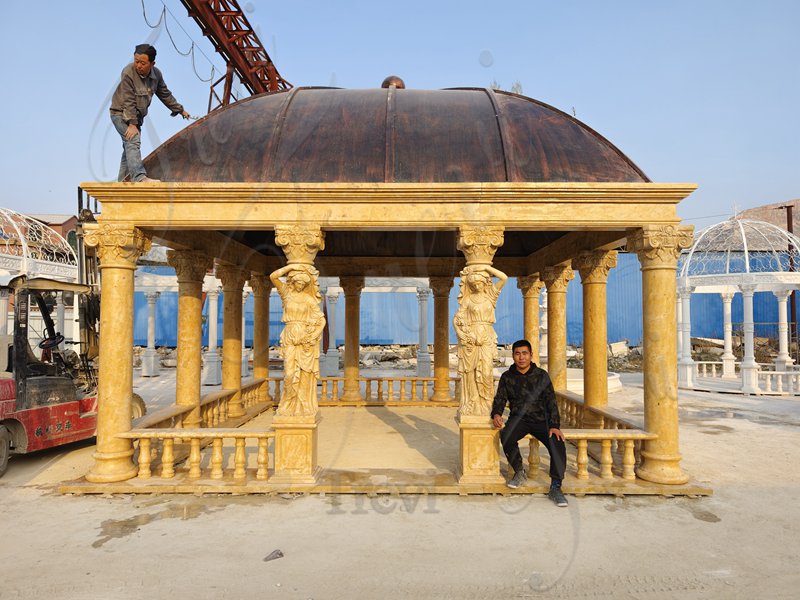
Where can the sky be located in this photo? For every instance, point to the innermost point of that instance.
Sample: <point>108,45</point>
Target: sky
<point>700,91</point>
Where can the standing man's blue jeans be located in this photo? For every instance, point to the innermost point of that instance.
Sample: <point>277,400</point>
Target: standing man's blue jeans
<point>131,163</point>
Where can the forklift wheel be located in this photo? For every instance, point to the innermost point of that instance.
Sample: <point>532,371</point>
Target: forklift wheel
<point>5,448</point>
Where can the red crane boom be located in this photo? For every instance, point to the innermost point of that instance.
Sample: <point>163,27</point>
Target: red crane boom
<point>227,27</point>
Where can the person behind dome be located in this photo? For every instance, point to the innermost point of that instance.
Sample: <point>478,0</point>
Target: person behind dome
<point>529,392</point>
<point>138,82</point>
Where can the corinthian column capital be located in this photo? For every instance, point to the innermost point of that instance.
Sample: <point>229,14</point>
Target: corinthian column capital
<point>260,284</point>
<point>594,266</point>
<point>300,243</point>
<point>557,277</point>
<point>479,244</point>
<point>659,245</point>
<point>530,285</point>
<point>231,276</point>
<point>117,246</point>
<point>190,266</point>
<point>352,284</point>
<point>441,286</point>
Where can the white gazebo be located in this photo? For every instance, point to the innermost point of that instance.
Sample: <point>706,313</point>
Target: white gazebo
<point>739,256</point>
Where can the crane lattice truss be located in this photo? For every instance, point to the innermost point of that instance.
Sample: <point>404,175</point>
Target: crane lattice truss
<point>226,26</point>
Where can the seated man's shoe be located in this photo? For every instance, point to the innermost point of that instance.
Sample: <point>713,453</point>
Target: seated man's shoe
<point>147,179</point>
<point>557,496</point>
<point>520,477</point>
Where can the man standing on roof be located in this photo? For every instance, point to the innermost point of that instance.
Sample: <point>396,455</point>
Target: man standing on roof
<point>529,392</point>
<point>138,82</point>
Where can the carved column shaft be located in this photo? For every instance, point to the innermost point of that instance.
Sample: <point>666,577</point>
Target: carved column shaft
<point>190,267</point>
<point>557,279</point>
<point>232,278</point>
<point>531,288</point>
<point>150,358</point>
<point>118,248</point>
<point>352,286</point>
<point>423,356</point>
<point>594,268</point>
<point>261,287</point>
<point>441,287</point>
<point>728,359</point>
<point>658,248</point>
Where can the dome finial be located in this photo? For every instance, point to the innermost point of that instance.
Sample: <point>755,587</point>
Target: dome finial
<point>393,81</point>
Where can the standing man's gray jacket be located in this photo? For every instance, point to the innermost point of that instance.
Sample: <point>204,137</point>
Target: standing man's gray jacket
<point>134,93</point>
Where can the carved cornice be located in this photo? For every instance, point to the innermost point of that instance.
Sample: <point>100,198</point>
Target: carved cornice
<point>659,245</point>
<point>190,266</point>
<point>352,284</point>
<point>231,276</point>
<point>594,266</point>
<point>260,284</point>
<point>479,244</point>
<point>300,244</point>
<point>441,286</point>
<point>557,278</point>
<point>118,246</point>
<point>530,285</point>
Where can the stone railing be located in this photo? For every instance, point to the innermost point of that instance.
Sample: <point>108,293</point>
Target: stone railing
<point>707,368</point>
<point>784,383</point>
<point>377,390</point>
<point>164,452</point>
<point>618,436</point>
<point>214,406</point>
<point>163,418</point>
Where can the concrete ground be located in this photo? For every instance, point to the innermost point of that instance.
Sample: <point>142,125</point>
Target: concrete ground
<point>739,543</point>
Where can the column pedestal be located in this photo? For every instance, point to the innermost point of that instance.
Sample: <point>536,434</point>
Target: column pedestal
<point>296,450</point>
<point>151,361</point>
<point>479,458</point>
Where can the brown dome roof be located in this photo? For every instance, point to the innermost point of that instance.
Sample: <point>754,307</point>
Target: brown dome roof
<point>390,135</point>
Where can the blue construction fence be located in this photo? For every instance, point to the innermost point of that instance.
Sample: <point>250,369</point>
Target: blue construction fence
<point>393,318</point>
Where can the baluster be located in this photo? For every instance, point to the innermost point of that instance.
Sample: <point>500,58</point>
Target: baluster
<point>779,383</point>
<point>582,460</point>
<point>628,461</point>
<point>335,390</point>
<point>403,389</point>
<point>380,390</point>
<point>239,460</point>
<point>194,458</point>
<point>144,458</point>
<point>324,396</point>
<point>168,459</point>
<point>790,384</point>
<point>389,390</point>
<point>216,458</point>
<point>263,458</point>
<point>533,455</point>
<point>767,383</point>
<point>605,459</point>
<point>414,395</point>
<point>425,392</point>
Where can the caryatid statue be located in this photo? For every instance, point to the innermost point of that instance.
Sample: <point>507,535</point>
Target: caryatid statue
<point>477,340</point>
<point>300,339</point>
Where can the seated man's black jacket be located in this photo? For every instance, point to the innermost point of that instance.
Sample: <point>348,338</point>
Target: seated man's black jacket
<point>529,395</point>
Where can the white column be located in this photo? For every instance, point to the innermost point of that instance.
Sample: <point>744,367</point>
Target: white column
<point>728,359</point>
<point>685,363</point>
<point>150,358</point>
<point>245,351</point>
<point>212,362</point>
<point>783,361</point>
<point>4,312</point>
<point>330,363</point>
<point>60,315</point>
<point>749,366</point>
<point>423,356</point>
<point>543,337</point>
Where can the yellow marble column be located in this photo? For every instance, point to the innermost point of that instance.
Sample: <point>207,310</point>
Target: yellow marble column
<point>594,268</point>
<point>190,267</point>
<point>232,278</point>
<point>531,288</point>
<point>297,417</point>
<point>557,279</point>
<point>441,287</point>
<point>118,247</point>
<point>352,286</point>
<point>261,286</point>
<point>479,460</point>
<point>658,248</point>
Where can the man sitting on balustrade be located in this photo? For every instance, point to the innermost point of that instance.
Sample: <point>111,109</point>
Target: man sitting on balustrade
<point>533,410</point>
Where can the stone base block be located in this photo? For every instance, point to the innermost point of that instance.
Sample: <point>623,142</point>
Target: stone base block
<point>295,450</point>
<point>212,369</point>
<point>150,363</point>
<point>479,459</point>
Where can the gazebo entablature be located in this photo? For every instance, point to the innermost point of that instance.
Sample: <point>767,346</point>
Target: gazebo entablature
<point>566,227</point>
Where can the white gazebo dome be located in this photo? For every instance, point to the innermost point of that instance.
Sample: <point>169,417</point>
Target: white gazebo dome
<point>732,257</point>
<point>29,247</point>
<point>727,251</point>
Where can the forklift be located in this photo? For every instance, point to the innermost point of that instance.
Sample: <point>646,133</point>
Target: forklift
<point>50,398</point>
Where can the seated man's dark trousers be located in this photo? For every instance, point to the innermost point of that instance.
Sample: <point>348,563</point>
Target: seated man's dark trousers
<point>517,428</point>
